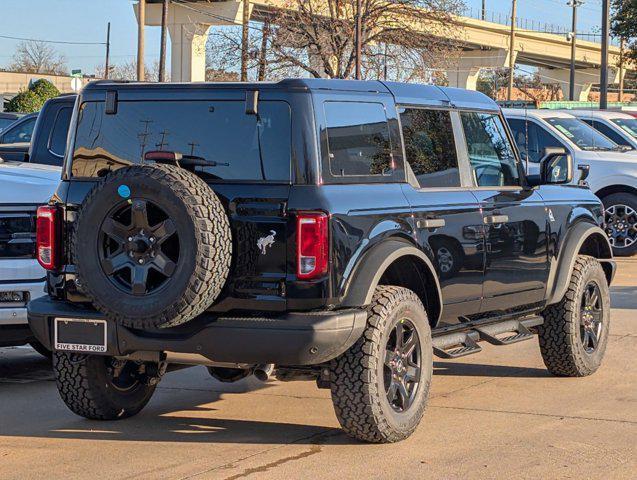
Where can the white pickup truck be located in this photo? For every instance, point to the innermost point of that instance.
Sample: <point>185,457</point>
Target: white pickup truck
<point>23,187</point>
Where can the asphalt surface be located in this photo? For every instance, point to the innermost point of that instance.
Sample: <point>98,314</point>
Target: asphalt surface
<point>498,414</point>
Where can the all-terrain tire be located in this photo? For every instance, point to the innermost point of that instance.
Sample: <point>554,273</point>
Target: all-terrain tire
<point>356,377</point>
<point>560,337</point>
<point>628,200</point>
<point>205,246</point>
<point>86,387</point>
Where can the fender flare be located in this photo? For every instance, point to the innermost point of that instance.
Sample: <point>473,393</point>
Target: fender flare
<point>561,273</point>
<point>374,263</point>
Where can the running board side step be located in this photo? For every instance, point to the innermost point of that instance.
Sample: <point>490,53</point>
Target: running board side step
<point>465,342</point>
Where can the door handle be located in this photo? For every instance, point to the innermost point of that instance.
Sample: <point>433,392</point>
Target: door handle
<point>496,219</point>
<point>431,223</point>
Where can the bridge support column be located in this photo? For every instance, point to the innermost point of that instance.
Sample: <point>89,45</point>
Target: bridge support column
<point>584,79</point>
<point>188,29</point>
<point>470,64</point>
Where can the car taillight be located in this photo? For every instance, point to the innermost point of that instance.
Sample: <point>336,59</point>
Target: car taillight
<point>312,244</point>
<point>46,234</point>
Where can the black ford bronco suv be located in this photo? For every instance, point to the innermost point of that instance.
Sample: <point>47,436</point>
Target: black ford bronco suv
<point>332,230</point>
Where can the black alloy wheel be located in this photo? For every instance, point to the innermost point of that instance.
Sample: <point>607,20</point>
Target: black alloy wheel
<point>621,225</point>
<point>401,372</point>
<point>591,317</point>
<point>139,247</point>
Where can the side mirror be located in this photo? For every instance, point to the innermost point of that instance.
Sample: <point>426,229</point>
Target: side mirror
<point>556,168</point>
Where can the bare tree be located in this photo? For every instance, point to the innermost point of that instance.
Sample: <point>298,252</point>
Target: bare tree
<point>38,57</point>
<point>404,38</point>
<point>316,37</point>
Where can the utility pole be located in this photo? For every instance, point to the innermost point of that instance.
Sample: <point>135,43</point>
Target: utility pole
<point>108,49</point>
<point>162,47</point>
<point>573,4</point>
<point>483,14</point>
<point>621,68</point>
<point>245,41</point>
<point>512,51</point>
<point>359,37</point>
<point>603,81</point>
<point>141,14</point>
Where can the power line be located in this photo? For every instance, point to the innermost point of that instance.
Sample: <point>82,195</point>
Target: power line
<point>9,37</point>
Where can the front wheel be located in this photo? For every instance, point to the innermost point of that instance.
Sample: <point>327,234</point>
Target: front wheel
<point>380,386</point>
<point>575,331</point>
<point>621,222</point>
<point>101,388</point>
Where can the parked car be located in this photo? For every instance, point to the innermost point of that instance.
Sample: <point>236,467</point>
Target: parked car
<point>292,227</point>
<point>613,171</point>
<point>620,127</point>
<point>45,142</point>
<point>7,119</point>
<point>24,187</point>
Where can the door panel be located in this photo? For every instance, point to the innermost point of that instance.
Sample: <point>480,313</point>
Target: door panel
<point>516,248</point>
<point>449,224</point>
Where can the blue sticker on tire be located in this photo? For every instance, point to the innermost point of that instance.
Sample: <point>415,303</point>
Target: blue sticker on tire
<point>124,191</point>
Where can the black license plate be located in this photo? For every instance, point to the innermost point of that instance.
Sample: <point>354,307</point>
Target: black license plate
<point>80,335</point>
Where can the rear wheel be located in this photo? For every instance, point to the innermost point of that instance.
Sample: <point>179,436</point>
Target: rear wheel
<point>102,388</point>
<point>380,386</point>
<point>575,331</point>
<point>621,222</point>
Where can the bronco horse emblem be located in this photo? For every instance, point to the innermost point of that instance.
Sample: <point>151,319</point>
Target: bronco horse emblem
<point>264,242</point>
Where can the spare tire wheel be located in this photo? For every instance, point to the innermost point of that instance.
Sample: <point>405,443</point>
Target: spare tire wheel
<point>152,246</point>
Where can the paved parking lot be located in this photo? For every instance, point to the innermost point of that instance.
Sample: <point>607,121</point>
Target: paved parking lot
<point>494,415</point>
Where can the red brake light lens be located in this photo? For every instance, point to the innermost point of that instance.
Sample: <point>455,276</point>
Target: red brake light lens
<point>312,243</point>
<point>47,241</point>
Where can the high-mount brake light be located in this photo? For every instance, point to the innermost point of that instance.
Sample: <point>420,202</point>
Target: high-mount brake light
<point>47,236</point>
<point>312,243</point>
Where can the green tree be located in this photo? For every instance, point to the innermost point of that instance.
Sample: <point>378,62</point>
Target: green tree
<point>624,24</point>
<point>31,100</point>
<point>25,102</point>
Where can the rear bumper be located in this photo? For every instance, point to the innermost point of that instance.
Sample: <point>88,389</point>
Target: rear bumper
<point>17,314</point>
<point>304,338</point>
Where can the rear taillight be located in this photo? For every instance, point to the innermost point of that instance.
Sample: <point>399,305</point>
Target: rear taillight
<point>47,236</point>
<point>312,244</point>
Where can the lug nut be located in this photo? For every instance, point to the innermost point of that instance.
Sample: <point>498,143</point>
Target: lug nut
<point>130,239</point>
<point>141,261</point>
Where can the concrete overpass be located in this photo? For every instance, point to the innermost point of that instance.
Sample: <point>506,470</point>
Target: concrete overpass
<point>483,45</point>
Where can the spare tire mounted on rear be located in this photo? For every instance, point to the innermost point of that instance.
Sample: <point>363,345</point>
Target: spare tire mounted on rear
<point>152,246</point>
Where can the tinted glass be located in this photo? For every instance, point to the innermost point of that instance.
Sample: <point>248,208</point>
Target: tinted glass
<point>490,153</point>
<point>358,139</point>
<point>430,147</point>
<point>5,122</point>
<point>582,134</point>
<point>57,140</point>
<point>532,139</point>
<point>235,145</point>
<point>610,133</point>
<point>20,133</point>
<point>628,125</point>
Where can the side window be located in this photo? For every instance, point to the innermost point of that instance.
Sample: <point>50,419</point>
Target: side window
<point>430,147</point>
<point>609,132</point>
<point>358,139</point>
<point>20,133</point>
<point>57,140</point>
<point>490,153</point>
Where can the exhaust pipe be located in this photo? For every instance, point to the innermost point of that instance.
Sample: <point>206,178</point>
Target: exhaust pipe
<point>264,371</point>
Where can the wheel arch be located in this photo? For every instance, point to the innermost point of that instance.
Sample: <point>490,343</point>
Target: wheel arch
<point>615,188</point>
<point>583,239</point>
<point>399,263</point>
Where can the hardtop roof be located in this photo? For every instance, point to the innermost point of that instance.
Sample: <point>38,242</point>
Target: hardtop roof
<point>406,93</point>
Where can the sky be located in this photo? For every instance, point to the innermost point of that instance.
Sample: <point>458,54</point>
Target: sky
<point>85,21</point>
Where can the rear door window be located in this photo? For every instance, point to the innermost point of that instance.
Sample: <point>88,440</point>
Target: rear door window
<point>232,145</point>
<point>430,147</point>
<point>20,133</point>
<point>358,138</point>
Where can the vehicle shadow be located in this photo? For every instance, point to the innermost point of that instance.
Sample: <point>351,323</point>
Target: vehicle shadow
<point>481,370</point>
<point>623,297</point>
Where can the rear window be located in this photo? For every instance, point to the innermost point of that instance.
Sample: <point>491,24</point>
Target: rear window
<point>235,146</point>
